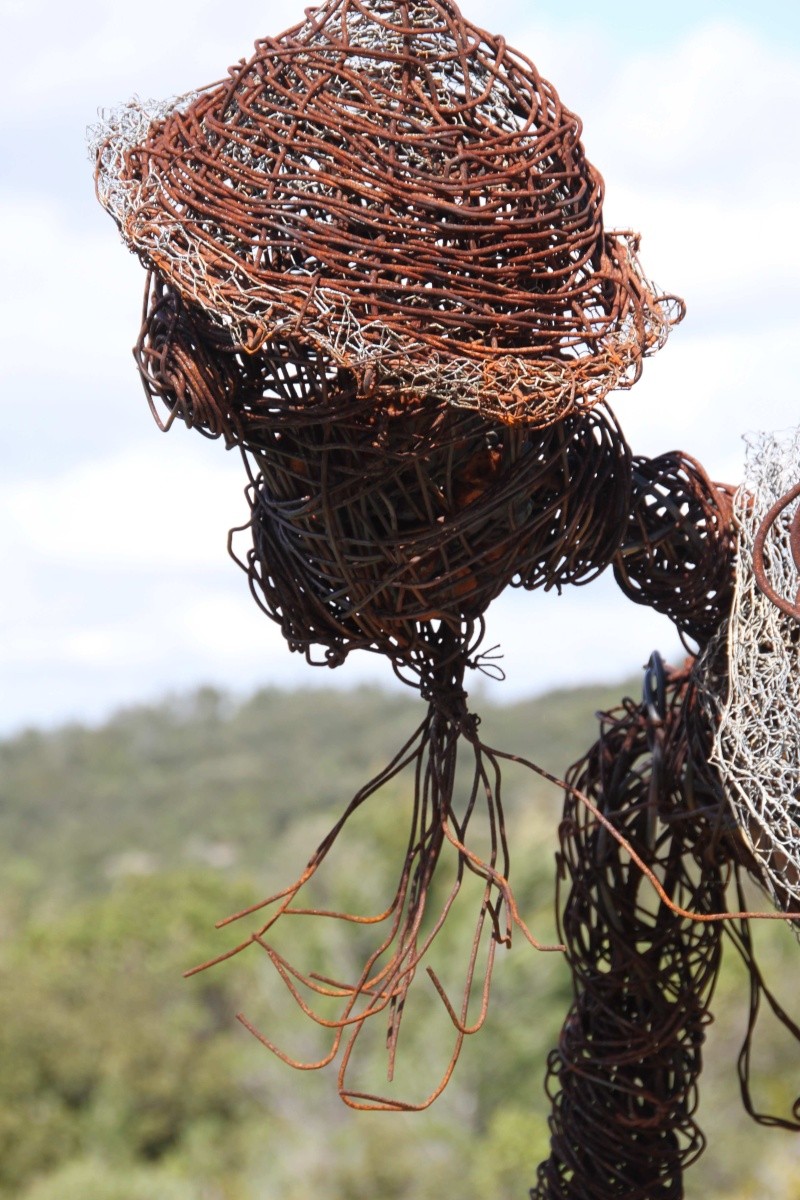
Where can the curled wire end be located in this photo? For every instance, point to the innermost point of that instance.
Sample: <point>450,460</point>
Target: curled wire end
<point>791,609</point>
<point>488,663</point>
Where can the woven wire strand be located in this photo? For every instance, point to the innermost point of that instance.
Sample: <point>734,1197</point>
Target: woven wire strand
<point>402,191</point>
<point>623,1080</point>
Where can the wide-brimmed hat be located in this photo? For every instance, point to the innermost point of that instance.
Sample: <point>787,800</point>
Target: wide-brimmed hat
<point>402,191</point>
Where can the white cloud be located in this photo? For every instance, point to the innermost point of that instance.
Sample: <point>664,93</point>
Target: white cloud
<point>70,298</point>
<point>717,248</point>
<point>166,506</point>
<point>120,586</point>
<point>710,112</point>
<point>106,52</point>
<point>702,393</point>
<point>591,634</point>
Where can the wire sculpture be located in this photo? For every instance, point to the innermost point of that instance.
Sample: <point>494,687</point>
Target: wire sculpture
<point>645,807</point>
<point>623,1080</point>
<point>398,189</point>
<point>377,265</point>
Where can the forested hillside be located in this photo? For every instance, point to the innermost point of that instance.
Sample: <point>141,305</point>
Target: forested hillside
<point>119,848</point>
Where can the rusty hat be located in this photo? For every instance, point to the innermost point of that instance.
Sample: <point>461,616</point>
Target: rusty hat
<point>402,191</point>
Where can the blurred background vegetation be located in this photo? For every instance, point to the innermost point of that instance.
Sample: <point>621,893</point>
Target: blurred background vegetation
<point>121,845</point>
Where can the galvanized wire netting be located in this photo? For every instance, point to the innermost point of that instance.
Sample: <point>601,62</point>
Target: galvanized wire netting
<point>757,746</point>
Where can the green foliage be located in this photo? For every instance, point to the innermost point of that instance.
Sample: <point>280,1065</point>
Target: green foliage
<point>93,1179</point>
<point>120,1080</point>
<point>504,1156</point>
<point>106,1050</point>
<point>204,779</point>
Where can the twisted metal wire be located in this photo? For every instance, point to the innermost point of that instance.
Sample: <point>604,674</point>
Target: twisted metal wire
<point>678,553</point>
<point>193,372</point>
<point>399,189</point>
<point>370,533</point>
<point>623,1080</point>
<point>407,928</point>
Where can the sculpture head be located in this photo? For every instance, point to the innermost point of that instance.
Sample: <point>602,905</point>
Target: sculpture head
<point>404,194</point>
<point>378,263</point>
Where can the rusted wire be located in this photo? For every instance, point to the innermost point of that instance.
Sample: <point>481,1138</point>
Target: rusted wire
<point>397,188</point>
<point>377,264</point>
<point>623,1080</point>
<point>373,532</point>
<point>678,552</point>
<point>790,607</point>
<point>406,929</point>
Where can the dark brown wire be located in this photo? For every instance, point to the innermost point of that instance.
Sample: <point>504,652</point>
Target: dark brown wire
<point>377,200</point>
<point>678,552</point>
<point>370,533</point>
<point>623,1080</point>
<point>192,371</point>
<point>370,524</point>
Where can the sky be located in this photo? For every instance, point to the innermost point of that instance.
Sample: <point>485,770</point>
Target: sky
<point>117,587</point>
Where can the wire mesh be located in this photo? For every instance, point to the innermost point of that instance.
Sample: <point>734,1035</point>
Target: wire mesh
<point>756,746</point>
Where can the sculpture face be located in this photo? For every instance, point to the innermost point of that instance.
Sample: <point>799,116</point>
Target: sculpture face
<point>371,522</point>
